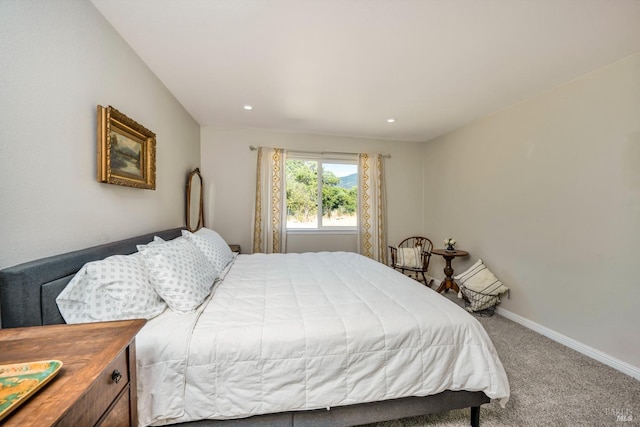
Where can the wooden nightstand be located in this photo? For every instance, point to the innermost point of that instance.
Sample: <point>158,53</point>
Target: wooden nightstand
<point>97,383</point>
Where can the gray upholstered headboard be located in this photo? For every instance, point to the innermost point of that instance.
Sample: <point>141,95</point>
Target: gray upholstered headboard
<point>28,291</point>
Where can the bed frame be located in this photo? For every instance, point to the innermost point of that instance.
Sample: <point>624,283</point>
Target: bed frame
<point>27,298</point>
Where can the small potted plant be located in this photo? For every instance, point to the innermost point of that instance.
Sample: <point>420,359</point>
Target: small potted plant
<point>448,243</point>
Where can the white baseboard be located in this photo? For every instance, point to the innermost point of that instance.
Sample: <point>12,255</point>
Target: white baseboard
<point>591,352</point>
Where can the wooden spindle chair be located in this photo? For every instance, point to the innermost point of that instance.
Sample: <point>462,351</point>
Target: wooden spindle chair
<point>404,260</point>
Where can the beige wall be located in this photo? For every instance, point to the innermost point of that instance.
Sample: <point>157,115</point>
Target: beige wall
<point>547,193</point>
<point>228,167</point>
<point>59,60</point>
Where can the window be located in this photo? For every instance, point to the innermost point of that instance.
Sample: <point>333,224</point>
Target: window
<point>329,203</point>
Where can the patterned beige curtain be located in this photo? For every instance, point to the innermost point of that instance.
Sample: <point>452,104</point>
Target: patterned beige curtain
<point>372,212</point>
<point>270,217</point>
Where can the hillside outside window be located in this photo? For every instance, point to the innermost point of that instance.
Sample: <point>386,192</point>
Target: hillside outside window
<point>326,203</point>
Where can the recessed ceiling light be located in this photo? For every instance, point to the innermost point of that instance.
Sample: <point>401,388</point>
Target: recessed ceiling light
<point>248,107</point>
<point>391,120</point>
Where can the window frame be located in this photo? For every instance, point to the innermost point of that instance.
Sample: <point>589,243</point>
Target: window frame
<point>320,159</point>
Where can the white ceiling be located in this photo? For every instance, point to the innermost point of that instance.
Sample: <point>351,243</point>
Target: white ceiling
<point>343,67</point>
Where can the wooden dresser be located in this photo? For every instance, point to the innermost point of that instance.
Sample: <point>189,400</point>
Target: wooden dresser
<point>97,383</point>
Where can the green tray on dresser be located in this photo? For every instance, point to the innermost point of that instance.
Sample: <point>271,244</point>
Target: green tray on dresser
<point>19,381</point>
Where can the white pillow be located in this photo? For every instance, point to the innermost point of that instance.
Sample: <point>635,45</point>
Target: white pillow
<point>409,257</point>
<point>215,249</point>
<point>115,288</point>
<point>179,273</point>
<point>478,278</point>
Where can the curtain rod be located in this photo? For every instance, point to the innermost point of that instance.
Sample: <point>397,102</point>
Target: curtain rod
<point>254,148</point>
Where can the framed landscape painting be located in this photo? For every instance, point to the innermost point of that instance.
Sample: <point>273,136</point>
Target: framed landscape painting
<point>126,150</point>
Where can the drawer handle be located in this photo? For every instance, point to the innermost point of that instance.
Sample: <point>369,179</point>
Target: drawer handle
<point>116,376</point>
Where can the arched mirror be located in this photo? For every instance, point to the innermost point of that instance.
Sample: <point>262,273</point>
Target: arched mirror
<point>195,205</point>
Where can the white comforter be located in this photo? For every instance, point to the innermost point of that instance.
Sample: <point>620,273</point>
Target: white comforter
<point>308,331</point>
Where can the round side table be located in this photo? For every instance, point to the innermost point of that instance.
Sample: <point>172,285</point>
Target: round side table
<point>448,282</point>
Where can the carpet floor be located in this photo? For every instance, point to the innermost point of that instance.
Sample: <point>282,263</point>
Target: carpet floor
<point>551,385</point>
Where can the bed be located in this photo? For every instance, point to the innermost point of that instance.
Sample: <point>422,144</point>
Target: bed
<point>293,339</point>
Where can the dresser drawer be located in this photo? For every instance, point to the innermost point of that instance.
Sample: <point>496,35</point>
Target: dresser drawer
<point>101,395</point>
<point>119,415</point>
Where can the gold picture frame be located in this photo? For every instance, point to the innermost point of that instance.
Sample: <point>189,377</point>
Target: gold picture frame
<point>126,151</point>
